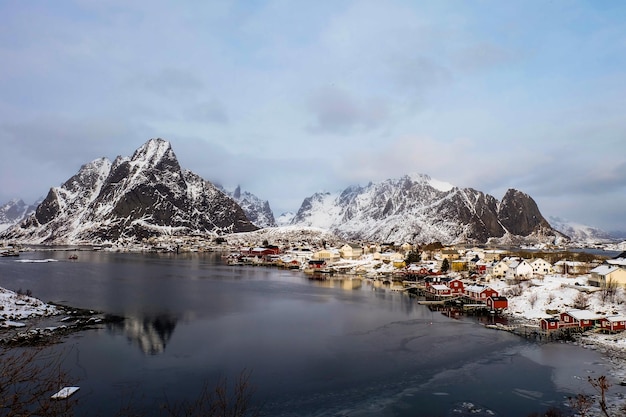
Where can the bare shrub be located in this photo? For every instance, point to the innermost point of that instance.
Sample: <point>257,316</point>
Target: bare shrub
<point>515,291</point>
<point>608,292</point>
<point>581,404</point>
<point>219,401</point>
<point>28,378</point>
<point>601,385</point>
<point>532,300</point>
<point>581,301</point>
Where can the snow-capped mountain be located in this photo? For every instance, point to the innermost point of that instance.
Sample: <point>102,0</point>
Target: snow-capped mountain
<point>14,212</point>
<point>579,232</point>
<point>285,219</point>
<point>417,208</point>
<point>258,211</point>
<point>132,198</point>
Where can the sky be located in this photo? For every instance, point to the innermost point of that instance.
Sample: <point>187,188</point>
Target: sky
<point>290,98</point>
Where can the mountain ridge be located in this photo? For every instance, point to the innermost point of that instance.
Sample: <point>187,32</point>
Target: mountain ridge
<point>146,195</point>
<point>417,208</point>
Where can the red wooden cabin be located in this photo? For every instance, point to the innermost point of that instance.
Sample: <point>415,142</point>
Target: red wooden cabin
<point>456,286</point>
<point>551,323</point>
<point>613,323</point>
<point>498,303</point>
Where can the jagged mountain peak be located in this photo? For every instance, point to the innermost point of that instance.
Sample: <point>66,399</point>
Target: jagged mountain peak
<point>427,179</point>
<point>132,198</point>
<point>416,207</point>
<point>152,151</point>
<point>257,210</point>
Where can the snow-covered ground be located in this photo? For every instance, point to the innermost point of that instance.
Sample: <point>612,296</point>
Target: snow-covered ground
<point>15,308</point>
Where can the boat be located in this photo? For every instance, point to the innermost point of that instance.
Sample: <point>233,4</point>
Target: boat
<point>11,252</point>
<point>72,257</point>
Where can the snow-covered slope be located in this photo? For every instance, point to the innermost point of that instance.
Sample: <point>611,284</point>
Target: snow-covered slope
<point>258,211</point>
<point>416,208</point>
<point>579,232</point>
<point>285,218</point>
<point>132,198</point>
<point>14,212</point>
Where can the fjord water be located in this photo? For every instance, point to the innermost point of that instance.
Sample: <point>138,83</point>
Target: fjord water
<point>341,347</point>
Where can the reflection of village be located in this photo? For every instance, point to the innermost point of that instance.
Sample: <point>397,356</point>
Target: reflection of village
<point>151,335</point>
<point>457,280</point>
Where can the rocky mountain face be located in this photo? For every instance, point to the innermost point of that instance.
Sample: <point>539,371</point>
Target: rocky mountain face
<point>258,211</point>
<point>417,208</point>
<point>132,198</point>
<point>14,212</point>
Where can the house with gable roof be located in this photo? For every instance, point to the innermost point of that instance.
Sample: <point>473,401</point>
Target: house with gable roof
<point>549,323</point>
<point>570,267</point>
<point>518,270</point>
<point>498,303</point>
<point>541,267</point>
<point>605,274</point>
<point>351,251</point>
<point>480,292</point>
<point>500,268</point>
<point>613,323</point>
<point>456,286</point>
<point>583,319</point>
<point>439,289</point>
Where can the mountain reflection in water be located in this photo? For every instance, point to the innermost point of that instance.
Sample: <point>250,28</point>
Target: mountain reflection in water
<point>150,334</point>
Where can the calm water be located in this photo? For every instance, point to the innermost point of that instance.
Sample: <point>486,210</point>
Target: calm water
<point>332,348</point>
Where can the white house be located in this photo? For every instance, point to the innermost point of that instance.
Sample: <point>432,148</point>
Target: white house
<point>541,267</point>
<point>519,270</point>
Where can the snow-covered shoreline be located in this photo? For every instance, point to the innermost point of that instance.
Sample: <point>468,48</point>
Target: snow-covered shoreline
<point>28,321</point>
<point>16,307</point>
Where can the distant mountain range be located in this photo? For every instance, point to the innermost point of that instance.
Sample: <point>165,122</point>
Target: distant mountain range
<point>418,208</point>
<point>582,233</point>
<point>149,194</point>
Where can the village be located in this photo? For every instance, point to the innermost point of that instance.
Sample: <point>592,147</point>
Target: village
<point>585,293</point>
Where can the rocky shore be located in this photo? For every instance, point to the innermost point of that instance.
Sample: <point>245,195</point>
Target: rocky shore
<point>27,321</point>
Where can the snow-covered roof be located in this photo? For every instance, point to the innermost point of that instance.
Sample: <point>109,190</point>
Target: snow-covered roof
<point>617,261</point>
<point>604,269</point>
<point>584,315</point>
<point>440,287</point>
<point>614,319</point>
<point>476,288</point>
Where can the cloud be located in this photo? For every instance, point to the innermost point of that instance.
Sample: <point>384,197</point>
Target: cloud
<point>211,111</point>
<point>336,111</point>
<point>483,56</point>
<point>170,83</point>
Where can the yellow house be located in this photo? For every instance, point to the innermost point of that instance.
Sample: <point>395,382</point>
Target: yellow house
<point>326,255</point>
<point>450,254</point>
<point>350,251</point>
<point>607,274</point>
<point>499,269</point>
<point>458,265</point>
